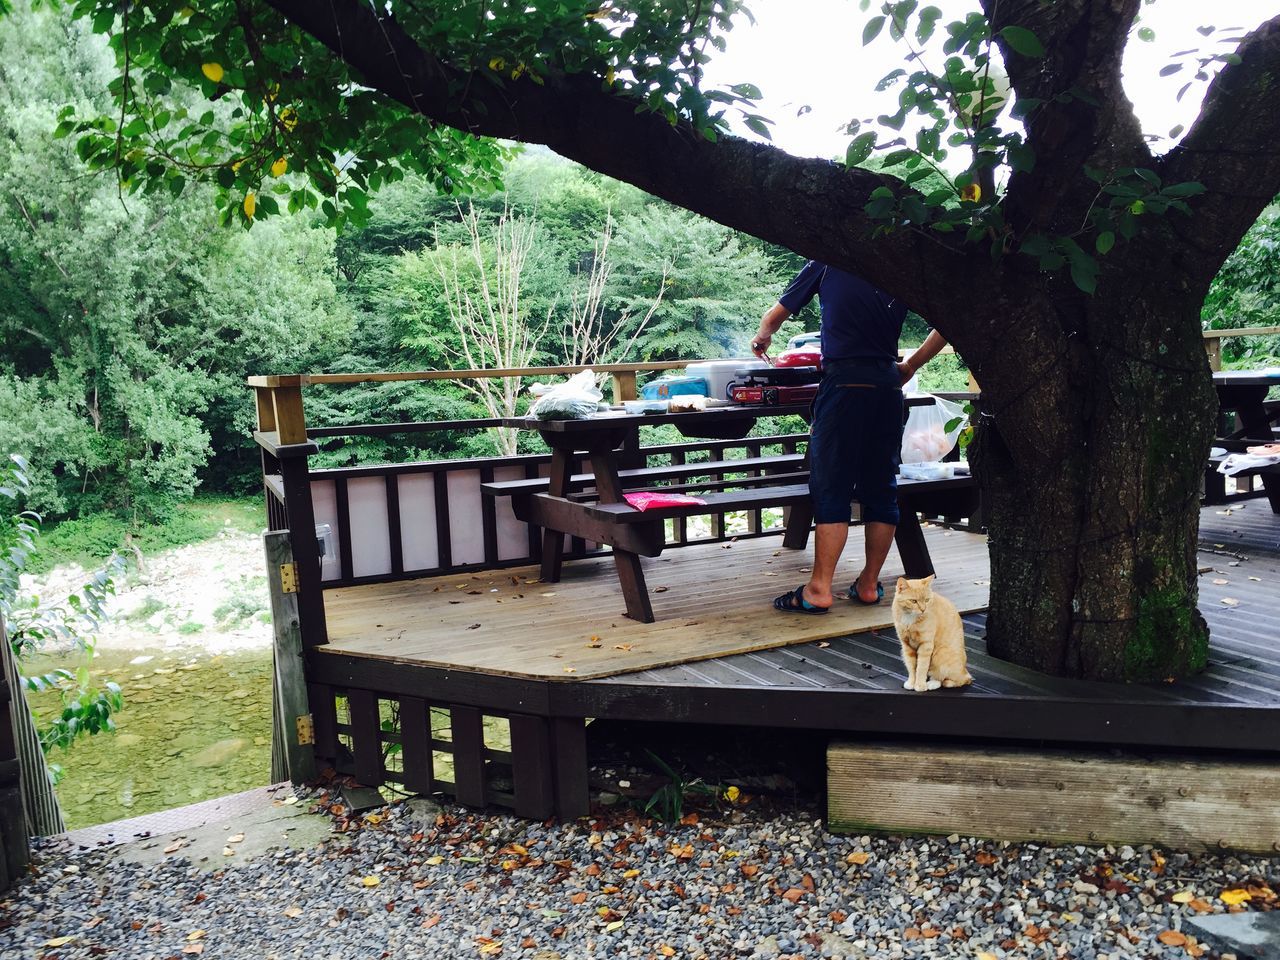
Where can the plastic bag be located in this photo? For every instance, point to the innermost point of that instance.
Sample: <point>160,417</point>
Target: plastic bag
<point>575,399</point>
<point>925,438</point>
<point>1234,463</point>
<point>643,501</point>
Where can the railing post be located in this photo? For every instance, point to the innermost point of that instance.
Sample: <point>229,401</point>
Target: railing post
<point>1213,347</point>
<point>291,720</point>
<point>624,385</point>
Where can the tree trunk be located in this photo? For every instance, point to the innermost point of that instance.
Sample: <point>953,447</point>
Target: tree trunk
<point>1091,483</point>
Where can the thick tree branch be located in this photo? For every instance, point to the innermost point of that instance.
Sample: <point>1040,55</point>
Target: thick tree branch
<point>1233,148</point>
<point>1084,116</point>
<point>811,206</point>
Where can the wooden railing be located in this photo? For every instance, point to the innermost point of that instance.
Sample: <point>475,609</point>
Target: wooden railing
<point>1213,340</point>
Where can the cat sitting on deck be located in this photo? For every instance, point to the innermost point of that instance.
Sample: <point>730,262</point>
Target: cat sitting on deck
<point>932,637</point>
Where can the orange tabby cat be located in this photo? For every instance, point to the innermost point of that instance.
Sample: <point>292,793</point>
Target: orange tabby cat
<point>932,637</point>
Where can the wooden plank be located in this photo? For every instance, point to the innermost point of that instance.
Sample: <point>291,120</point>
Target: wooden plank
<point>401,376</point>
<point>444,538</point>
<point>1054,796</point>
<point>306,553</point>
<point>715,603</point>
<point>366,737</point>
<point>291,423</point>
<point>342,503</point>
<point>569,758</point>
<point>469,781</point>
<point>415,745</point>
<point>324,716</point>
<point>532,767</point>
<point>289,684</point>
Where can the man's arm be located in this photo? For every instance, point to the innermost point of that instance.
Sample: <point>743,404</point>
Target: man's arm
<point>928,350</point>
<point>774,318</point>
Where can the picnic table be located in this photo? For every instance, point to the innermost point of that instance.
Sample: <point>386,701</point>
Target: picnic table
<point>1244,393</point>
<point>609,442</point>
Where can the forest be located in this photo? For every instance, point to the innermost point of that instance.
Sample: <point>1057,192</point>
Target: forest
<point>130,320</point>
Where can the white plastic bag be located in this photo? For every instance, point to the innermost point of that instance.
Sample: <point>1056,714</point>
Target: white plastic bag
<point>575,399</point>
<point>925,438</point>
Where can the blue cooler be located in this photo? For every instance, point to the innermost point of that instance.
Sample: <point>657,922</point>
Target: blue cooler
<point>663,388</point>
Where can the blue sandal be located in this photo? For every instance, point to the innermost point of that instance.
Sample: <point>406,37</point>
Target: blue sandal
<point>794,602</point>
<point>853,595</point>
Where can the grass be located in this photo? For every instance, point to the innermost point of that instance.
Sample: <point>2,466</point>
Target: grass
<point>88,541</point>
<point>148,608</point>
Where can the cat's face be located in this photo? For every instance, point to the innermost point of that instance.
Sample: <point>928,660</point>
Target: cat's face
<point>914,594</point>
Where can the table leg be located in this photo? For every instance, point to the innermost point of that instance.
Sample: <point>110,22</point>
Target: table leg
<point>798,524</point>
<point>912,548</point>
<point>553,540</point>
<point>630,574</point>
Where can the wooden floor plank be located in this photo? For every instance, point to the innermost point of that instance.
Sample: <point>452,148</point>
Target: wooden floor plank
<point>711,601</point>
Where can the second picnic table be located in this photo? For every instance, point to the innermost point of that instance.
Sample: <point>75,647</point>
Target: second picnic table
<point>607,439</point>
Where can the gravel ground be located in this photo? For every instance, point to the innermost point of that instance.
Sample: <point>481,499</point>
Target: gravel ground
<point>410,882</point>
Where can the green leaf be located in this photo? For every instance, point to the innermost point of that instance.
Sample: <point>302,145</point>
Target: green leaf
<point>1169,70</point>
<point>1023,41</point>
<point>859,149</point>
<point>1106,240</point>
<point>748,90</point>
<point>872,29</point>
<point>757,125</point>
<point>1146,34</point>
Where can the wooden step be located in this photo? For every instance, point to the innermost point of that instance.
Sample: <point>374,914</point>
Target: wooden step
<point>1053,796</point>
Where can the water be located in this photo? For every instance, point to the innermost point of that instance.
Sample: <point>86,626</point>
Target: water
<point>194,727</point>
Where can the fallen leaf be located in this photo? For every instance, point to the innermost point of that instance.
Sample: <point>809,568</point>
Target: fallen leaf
<point>293,911</point>
<point>1172,938</point>
<point>550,593</point>
<point>911,933</point>
<point>857,857</point>
<point>615,925</point>
<point>1218,581</point>
<point>822,645</point>
<point>195,935</point>
<point>594,643</point>
<point>985,858</point>
<point>624,647</point>
<point>749,869</point>
<point>434,861</point>
<point>175,846</point>
<point>628,874</point>
<point>59,941</point>
<point>578,898</point>
<point>1256,579</point>
<point>89,925</point>
<point>528,943</point>
<point>372,818</point>
<point>570,670</point>
<point>228,852</point>
<point>1200,906</point>
<point>195,948</point>
<point>371,881</point>
<point>431,921</point>
<point>793,895</point>
<point>660,589</point>
<point>689,819</point>
<point>667,951</point>
<point>1183,896</point>
<point>1230,602</point>
<point>987,956</point>
<point>1232,897</point>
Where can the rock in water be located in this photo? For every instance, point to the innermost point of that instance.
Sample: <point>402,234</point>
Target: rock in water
<point>218,753</point>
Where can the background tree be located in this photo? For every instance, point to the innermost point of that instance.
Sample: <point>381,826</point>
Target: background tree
<point>1246,292</point>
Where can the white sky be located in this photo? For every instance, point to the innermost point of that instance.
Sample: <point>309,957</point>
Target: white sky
<point>810,52</point>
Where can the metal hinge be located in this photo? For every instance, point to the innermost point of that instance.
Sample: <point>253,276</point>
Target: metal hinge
<point>288,578</point>
<point>306,730</point>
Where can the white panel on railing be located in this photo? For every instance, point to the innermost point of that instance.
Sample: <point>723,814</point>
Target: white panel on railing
<point>420,548</point>
<point>324,502</point>
<point>513,534</point>
<point>466,523</point>
<point>370,544</point>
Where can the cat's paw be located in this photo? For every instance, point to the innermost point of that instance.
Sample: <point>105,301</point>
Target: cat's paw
<point>920,687</point>
<point>933,684</point>
<point>906,684</point>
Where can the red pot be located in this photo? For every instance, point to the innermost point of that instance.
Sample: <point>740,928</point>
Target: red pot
<point>799,357</point>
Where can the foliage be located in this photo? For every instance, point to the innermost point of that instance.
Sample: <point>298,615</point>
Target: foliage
<point>1246,293</point>
<point>33,625</point>
<point>668,801</point>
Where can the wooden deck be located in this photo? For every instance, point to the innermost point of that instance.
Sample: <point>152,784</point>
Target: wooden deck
<point>710,600</point>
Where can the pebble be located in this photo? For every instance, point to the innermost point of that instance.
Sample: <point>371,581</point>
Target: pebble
<point>468,885</point>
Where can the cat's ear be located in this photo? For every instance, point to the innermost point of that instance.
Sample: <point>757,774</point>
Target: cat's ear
<point>903,584</point>
<point>927,580</point>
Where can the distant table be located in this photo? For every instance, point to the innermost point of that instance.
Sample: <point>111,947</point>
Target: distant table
<point>1245,392</point>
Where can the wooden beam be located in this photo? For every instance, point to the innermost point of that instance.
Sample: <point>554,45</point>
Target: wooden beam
<point>291,423</point>
<point>1053,796</point>
<point>290,704</point>
<point>624,386</point>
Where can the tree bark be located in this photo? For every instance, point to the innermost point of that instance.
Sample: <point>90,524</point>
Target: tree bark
<point>1090,470</point>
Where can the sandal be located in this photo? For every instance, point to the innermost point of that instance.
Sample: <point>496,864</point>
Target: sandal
<point>853,595</point>
<point>794,602</point>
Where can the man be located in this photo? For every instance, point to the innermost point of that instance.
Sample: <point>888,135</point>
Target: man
<point>856,434</point>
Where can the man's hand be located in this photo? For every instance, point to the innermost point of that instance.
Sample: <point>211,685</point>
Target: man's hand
<point>905,373</point>
<point>760,345</point>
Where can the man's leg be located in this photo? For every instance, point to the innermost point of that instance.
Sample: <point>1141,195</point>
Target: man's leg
<point>829,541</point>
<point>879,538</point>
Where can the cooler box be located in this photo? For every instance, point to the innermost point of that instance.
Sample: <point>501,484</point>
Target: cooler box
<point>720,373</point>
<point>666,387</point>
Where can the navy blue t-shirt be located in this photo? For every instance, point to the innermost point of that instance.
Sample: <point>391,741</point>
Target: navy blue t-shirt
<point>858,320</point>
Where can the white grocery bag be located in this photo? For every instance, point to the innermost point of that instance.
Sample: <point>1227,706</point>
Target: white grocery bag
<point>925,438</point>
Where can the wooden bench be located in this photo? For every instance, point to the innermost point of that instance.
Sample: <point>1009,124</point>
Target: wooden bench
<point>648,476</point>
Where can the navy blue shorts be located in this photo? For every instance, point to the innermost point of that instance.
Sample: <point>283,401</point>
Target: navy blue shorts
<point>855,442</point>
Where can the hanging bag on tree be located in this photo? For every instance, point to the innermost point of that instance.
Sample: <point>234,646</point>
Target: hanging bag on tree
<point>925,438</point>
